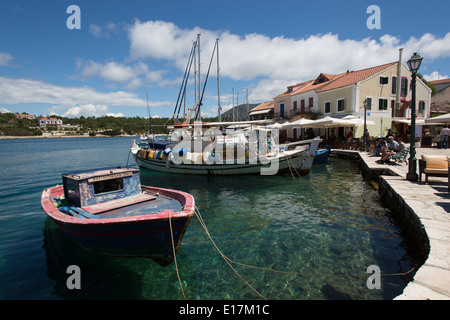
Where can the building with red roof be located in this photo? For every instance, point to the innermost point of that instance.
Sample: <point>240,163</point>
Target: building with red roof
<point>344,94</point>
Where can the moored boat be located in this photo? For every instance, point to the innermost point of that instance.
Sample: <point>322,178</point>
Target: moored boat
<point>234,158</point>
<point>322,155</point>
<point>108,211</point>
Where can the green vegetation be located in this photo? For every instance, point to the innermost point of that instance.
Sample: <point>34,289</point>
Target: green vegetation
<point>11,126</point>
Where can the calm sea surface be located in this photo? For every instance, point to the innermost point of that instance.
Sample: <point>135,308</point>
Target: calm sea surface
<point>311,230</point>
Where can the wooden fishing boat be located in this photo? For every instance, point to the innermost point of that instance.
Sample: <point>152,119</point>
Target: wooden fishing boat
<point>108,211</point>
<point>293,158</point>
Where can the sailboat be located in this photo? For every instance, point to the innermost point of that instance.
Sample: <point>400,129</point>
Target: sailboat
<point>249,147</point>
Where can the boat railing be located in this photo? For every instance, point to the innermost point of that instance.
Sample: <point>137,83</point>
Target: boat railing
<point>296,143</point>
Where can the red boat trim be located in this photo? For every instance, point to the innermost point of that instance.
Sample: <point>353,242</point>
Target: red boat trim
<point>186,200</point>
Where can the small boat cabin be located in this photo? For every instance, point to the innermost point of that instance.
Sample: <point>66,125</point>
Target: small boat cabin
<point>87,188</point>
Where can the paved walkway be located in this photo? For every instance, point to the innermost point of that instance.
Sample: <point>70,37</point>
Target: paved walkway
<point>431,203</point>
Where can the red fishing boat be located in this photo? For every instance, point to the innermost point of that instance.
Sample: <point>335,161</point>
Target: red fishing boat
<point>108,211</point>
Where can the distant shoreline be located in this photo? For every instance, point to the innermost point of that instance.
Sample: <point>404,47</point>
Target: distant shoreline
<point>60,137</point>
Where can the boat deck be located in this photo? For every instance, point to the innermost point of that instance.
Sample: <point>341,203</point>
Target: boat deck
<point>140,205</point>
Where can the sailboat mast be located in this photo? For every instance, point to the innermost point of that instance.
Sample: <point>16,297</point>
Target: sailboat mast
<point>199,83</point>
<point>218,82</point>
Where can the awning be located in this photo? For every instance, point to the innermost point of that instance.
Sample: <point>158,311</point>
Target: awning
<point>408,121</point>
<point>254,113</point>
<point>445,118</point>
<point>329,122</point>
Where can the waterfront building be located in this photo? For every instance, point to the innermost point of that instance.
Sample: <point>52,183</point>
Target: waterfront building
<point>440,100</point>
<point>25,116</point>
<point>44,122</point>
<point>262,111</point>
<point>386,88</point>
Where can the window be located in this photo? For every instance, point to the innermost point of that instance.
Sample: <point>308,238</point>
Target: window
<point>404,87</point>
<point>341,105</point>
<point>382,104</point>
<point>295,106</point>
<point>108,185</point>
<point>383,80</point>
<point>302,105</point>
<point>311,102</point>
<point>421,107</point>
<point>327,107</point>
<point>394,85</point>
<point>369,103</point>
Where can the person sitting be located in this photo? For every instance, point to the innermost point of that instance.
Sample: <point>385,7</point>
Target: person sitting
<point>393,147</point>
<point>349,135</point>
<point>377,146</point>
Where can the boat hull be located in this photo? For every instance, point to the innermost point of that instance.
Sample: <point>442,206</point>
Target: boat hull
<point>293,161</point>
<point>295,158</point>
<point>145,235</point>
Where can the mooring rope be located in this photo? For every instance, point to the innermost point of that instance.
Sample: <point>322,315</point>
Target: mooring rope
<point>175,256</point>
<point>229,262</point>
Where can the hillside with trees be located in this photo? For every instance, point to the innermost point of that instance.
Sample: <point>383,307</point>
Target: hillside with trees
<point>10,125</point>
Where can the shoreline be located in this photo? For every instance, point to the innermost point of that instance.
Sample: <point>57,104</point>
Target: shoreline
<point>60,137</point>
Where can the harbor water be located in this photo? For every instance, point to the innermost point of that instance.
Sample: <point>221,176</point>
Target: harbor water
<point>290,238</point>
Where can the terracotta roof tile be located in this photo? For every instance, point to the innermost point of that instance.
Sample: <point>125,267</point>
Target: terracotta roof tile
<point>263,106</point>
<point>353,77</point>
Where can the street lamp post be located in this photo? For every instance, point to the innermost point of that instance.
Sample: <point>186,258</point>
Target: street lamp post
<point>414,64</point>
<point>365,124</point>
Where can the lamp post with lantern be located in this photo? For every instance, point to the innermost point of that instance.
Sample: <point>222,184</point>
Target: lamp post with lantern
<point>414,65</point>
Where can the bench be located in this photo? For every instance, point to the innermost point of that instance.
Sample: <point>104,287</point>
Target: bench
<point>400,156</point>
<point>436,166</point>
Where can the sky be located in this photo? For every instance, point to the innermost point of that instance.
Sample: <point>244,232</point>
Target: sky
<point>108,56</point>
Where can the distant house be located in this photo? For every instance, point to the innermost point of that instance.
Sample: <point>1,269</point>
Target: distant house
<point>440,100</point>
<point>344,95</point>
<point>25,116</point>
<point>44,122</point>
<point>262,111</point>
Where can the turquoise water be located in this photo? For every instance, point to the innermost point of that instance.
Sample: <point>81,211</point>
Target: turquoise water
<point>314,229</point>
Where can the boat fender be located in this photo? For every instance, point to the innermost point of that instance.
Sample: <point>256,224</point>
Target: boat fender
<point>167,151</point>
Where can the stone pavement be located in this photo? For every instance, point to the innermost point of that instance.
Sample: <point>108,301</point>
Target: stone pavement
<point>430,204</point>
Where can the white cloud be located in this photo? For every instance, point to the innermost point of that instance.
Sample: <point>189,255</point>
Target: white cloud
<point>276,61</point>
<point>435,75</point>
<point>95,30</point>
<point>87,110</point>
<point>107,31</point>
<point>5,59</point>
<point>14,91</point>
<point>4,110</point>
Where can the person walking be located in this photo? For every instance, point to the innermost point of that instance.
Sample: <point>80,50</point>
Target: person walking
<point>445,133</point>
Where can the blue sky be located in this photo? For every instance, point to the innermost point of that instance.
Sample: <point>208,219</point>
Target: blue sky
<point>127,47</point>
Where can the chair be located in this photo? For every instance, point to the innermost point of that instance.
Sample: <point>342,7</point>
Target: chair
<point>433,165</point>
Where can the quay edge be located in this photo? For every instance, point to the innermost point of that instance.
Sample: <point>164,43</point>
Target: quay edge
<point>423,211</point>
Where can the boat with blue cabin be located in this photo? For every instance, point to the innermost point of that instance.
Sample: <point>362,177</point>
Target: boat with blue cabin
<point>108,211</point>
<point>322,155</point>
